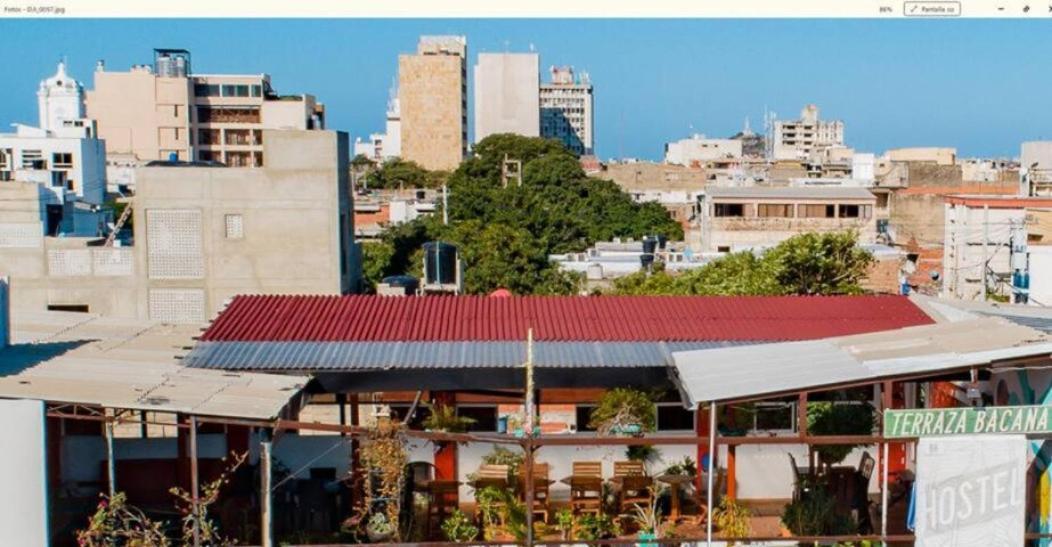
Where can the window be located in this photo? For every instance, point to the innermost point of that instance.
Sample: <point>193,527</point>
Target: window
<point>62,160</point>
<point>818,211</point>
<point>673,417</point>
<point>5,159</point>
<point>206,90</point>
<point>729,210</point>
<point>399,412</point>
<point>850,211</point>
<point>33,159</point>
<point>235,227</point>
<point>584,415</point>
<point>58,179</point>
<point>257,91</point>
<point>78,308</point>
<point>485,417</point>
<point>723,249</point>
<point>228,91</point>
<point>781,210</point>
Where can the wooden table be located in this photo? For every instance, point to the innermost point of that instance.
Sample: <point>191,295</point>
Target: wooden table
<point>674,482</point>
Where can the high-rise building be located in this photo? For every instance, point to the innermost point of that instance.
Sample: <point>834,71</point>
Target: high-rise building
<point>432,98</point>
<point>164,111</point>
<point>798,139</point>
<point>566,110</point>
<point>507,94</point>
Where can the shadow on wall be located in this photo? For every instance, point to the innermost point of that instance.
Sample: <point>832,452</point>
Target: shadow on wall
<point>19,357</point>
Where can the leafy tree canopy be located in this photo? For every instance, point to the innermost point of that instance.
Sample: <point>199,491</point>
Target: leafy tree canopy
<point>505,234</point>
<point>397,173</point>
<point>806,264</point>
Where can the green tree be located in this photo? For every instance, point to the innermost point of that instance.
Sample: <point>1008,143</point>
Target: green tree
<point>829,263</point>
<point>397,173</point>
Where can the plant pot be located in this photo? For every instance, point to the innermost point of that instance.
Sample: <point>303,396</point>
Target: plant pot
<point>648,539</point>
<point>378,537</point>
<point>628,430</point>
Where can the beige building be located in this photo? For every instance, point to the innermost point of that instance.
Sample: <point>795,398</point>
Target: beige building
<point>735,219</point>
<point>935,155</point>
<point>507,94</point>
<point>799,139</point>
<point>201,236</point>
<point>432,97</point>
<point>163,111</point>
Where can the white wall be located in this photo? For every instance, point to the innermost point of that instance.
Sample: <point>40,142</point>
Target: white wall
<point>23,473</point>
<point>1041,275</point>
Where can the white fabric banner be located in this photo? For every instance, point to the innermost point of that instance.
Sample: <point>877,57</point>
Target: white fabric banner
<point>971,491</point>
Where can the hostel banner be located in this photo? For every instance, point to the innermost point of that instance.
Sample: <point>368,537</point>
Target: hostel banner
<point>971,491</point>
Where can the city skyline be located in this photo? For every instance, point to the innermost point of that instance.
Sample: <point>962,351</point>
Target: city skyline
<point>978,86</point>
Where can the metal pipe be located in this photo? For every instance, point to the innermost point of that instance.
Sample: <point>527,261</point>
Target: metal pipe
<point>266,528</point>
<point>111,465</point>
<point>194,487</point>
<point>711,471</point>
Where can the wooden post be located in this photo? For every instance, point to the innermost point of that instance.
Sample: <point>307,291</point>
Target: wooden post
<point>886,402</point>
<point>194,479</point>
<point>801,429</point>
<point>732,473</point>
<point>111,465</point>
<point>341,401</point>
<point>265,494</point>
<point>701,428</point>
<point>711,472</point>
<point>528,485</point>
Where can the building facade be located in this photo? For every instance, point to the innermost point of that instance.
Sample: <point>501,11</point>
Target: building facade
<point>432,97</point>
<point>202,234</point>
<point>165,111</point>
<point>697,150</point>
<point>798,139</point>
<point>734,219</point>
<point>567,105</point>
<point>507,94</point>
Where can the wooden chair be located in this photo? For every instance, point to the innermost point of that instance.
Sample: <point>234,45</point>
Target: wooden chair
<point>541,488</point>
<point>586,487</point>
<point>629,468</point>
<point>635,490</point>
<point>588,469</point>
<point>861,502</point>
<point>491,475</point>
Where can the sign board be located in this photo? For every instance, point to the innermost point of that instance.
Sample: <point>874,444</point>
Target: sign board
<point>971,491</point>
<point>934,422</point>
<point>23,472</point>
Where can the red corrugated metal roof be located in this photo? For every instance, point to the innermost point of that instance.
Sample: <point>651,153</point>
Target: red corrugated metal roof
<point>558,318</point>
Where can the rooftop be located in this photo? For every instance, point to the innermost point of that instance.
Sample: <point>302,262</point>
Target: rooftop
<point>788,192</point>
<point>76,358</point>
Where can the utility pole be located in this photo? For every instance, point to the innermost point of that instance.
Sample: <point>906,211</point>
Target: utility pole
<point>986,242</point>
<point>445,205</point>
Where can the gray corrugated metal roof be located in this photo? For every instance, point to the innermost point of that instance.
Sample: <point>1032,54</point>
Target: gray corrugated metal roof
<point>788,192</point>
<point>755,371</point>
<point>351,356</point>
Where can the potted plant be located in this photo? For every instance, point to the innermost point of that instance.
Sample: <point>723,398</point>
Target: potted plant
<point>459,528</point>
<point>444,418</point>
<point>624,411</point>
<point>384,455</point>
<point>379,529</point>
<point>595,527</point>
<point>564,522</point>
<point>732,519</point>
<point>648,519</point>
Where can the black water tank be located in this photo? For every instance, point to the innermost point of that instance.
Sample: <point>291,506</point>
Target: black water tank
<point>646,260</point>
<point>408,282</point>
<point>440,263</point>
<point>649,245</point>
<point>662,240</point>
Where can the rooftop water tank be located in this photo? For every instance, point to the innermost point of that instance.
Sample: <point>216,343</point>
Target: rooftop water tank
<point>440,263</point>
<point>407,282</point>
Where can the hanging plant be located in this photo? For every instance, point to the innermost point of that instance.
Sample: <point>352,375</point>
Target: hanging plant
<point>383,454</point>
<point>444,418</point>
<point>624,411</point>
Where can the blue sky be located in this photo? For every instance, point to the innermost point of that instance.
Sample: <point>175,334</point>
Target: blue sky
<point>982,86</point>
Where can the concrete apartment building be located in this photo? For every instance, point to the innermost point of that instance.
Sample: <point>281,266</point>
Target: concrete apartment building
<point>698,150</point>
<point>202,235</point>
<point>507,96</point>
<point>567,110</point>
<point>1035,168</point>
<point>798,139</point>
<point>986,240</point>
<point>433,99</point>
<point>387,145</point>
<point>733,219</point>
<point>163,111</point>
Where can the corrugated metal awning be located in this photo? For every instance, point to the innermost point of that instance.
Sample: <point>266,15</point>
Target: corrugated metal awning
<point>371,356</point>
<point>756,371</point>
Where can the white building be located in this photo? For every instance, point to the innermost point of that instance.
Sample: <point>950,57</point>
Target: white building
<point>567,105</point>
<point>1035,168</point>
<point>381,147</point>
<point>507,94</point>
<point>698,150</point>
<point>63,158</point>
<point>798,139</point>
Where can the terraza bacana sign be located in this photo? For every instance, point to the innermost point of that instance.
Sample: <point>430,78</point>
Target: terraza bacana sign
<point>934,422</point>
